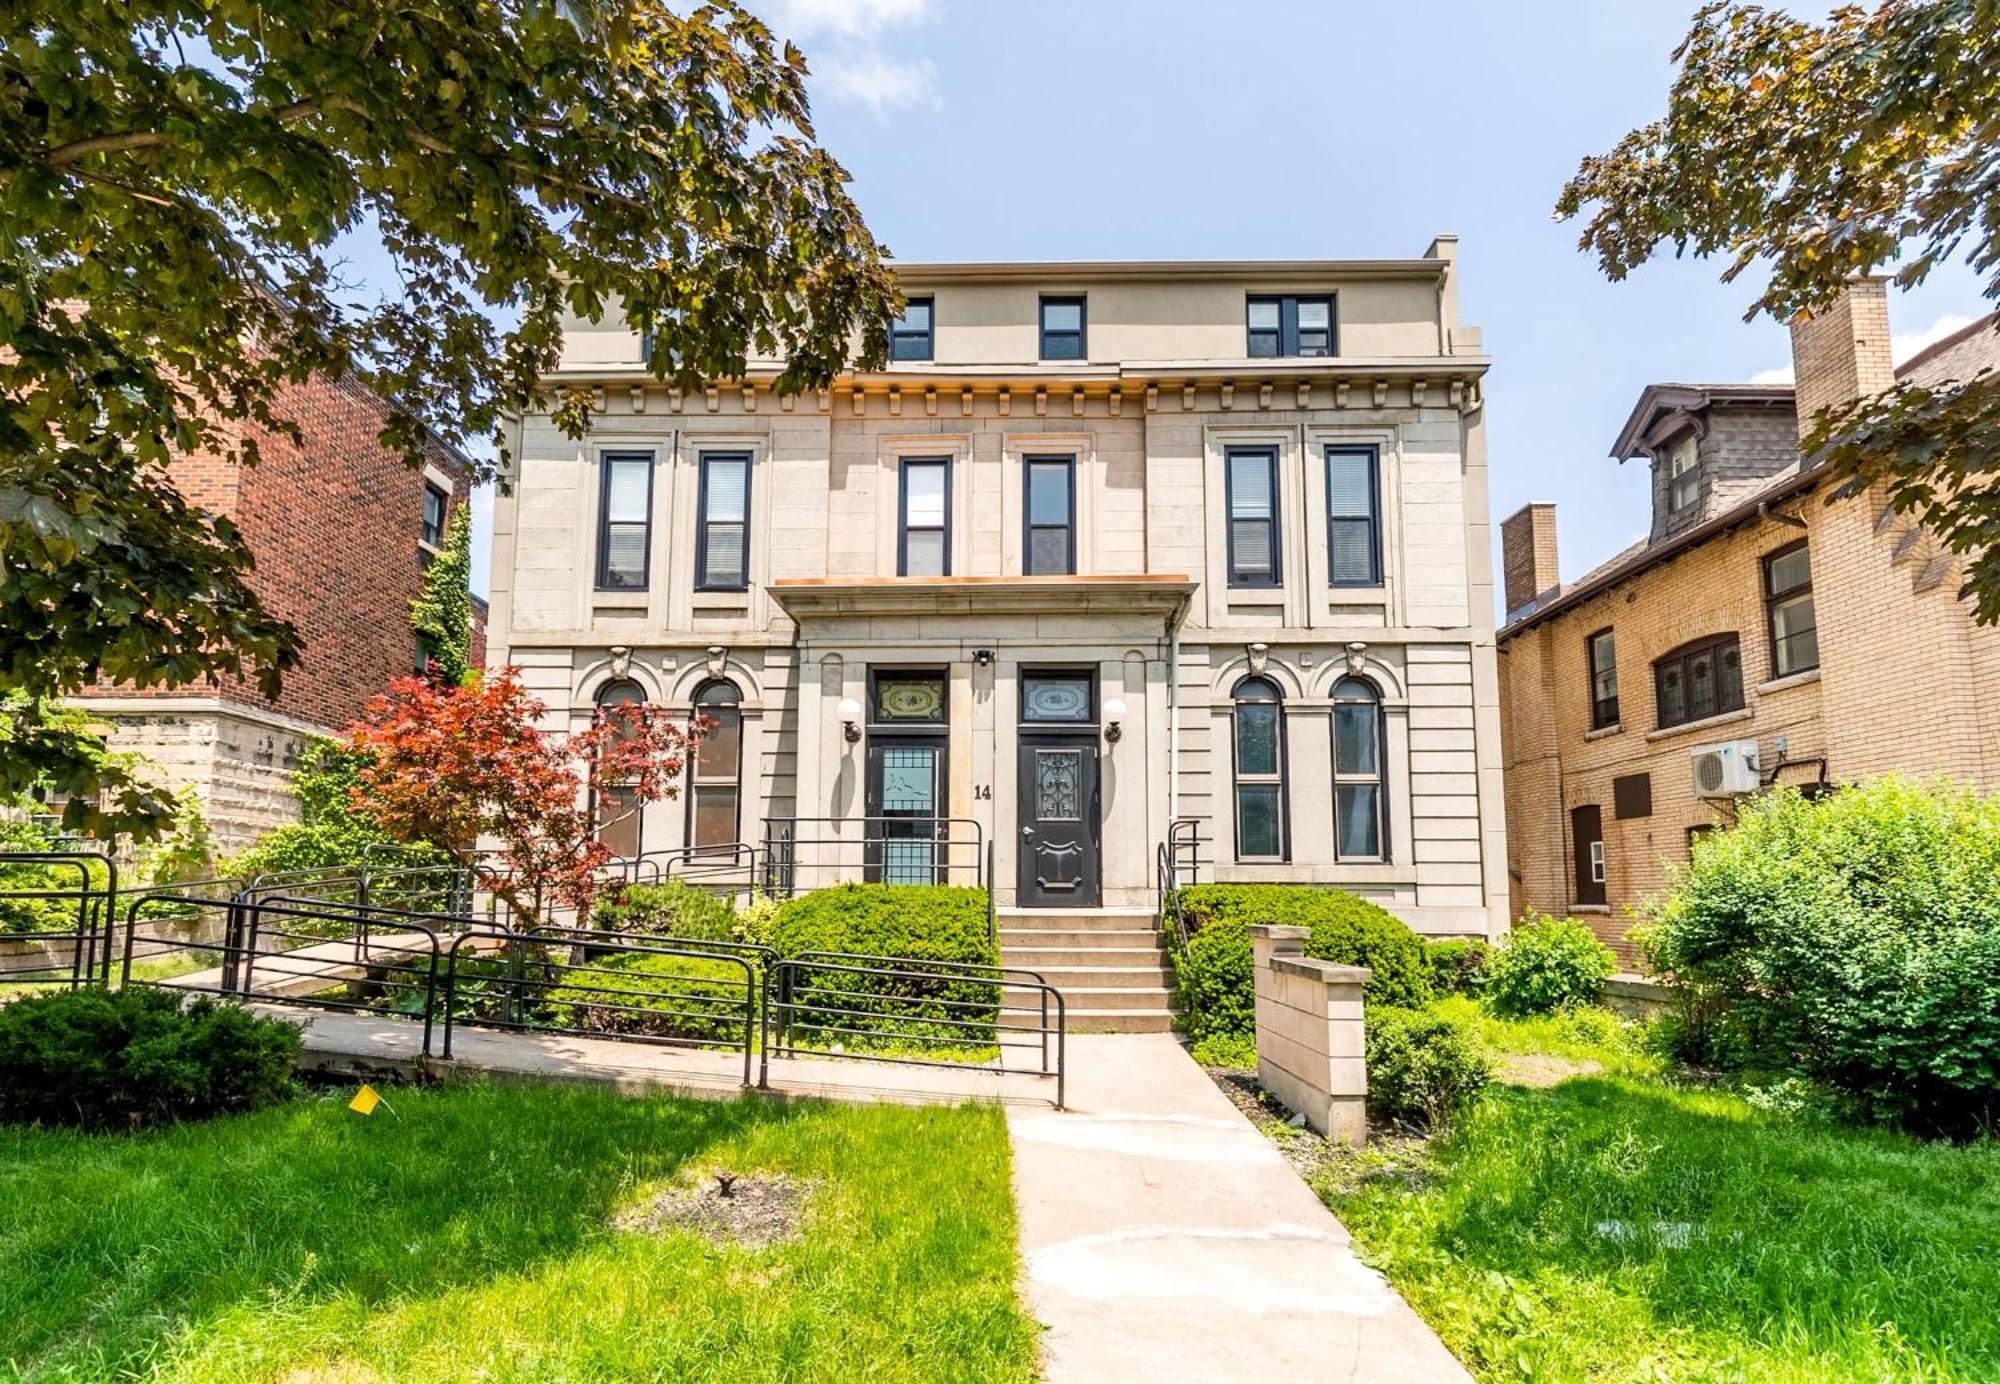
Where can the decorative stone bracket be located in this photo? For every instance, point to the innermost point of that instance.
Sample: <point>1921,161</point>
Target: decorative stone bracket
<point>1309,1036</point>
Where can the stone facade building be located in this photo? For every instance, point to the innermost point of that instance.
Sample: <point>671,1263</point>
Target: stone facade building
<point>1760,633</point>
<point>1103,549</point>
<point>340,530</point>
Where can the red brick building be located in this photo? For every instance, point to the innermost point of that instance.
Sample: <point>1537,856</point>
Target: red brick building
<point>341,530</point>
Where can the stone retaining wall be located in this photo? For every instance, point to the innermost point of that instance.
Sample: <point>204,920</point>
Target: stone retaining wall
<point>1309,1033</point>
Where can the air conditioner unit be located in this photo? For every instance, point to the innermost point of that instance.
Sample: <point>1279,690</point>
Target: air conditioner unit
<point>1725,770</point>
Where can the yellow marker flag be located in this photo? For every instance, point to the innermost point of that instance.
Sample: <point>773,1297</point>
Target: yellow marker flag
<point>365,1100</point>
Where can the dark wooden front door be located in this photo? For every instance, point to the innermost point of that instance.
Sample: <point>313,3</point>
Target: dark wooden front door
<point>1057,810</point>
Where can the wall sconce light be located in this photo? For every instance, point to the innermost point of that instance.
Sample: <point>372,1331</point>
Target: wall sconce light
<point>1114,716</point>
<point>849,712</point>
<point>983,657</point>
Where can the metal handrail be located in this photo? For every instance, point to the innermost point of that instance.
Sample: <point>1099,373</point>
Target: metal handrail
<point>1181,851</point>
<point>95,912</point>
<point>950,839</point>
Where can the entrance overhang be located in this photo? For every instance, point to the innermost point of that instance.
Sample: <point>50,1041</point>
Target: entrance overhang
<point>805,598</point>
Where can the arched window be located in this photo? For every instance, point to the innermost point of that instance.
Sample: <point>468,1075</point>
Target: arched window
<point>715,776</point>
<point>619,813</point>
<point>1358,751</point>
<point>1260,770</point>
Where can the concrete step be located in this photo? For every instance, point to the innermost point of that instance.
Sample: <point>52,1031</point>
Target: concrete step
<point>1012,938</point>
<point>1093,998</point>
<point>1041,958</point>
<point>1121,1021</point>
<point>1110,977</point>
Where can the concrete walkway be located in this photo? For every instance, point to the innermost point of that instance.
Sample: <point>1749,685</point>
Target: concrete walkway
<point>1165,1238</point>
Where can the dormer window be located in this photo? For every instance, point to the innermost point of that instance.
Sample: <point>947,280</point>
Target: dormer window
<point>1683,474</point>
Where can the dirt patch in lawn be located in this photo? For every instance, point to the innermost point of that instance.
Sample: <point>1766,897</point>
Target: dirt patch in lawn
<point>1539,1070</point>
<point>725,1208</point>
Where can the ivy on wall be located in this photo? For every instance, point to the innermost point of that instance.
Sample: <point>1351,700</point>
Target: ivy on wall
<point>442,614</point>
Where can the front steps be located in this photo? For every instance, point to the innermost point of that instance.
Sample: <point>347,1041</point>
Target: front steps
<point>1106,962</point>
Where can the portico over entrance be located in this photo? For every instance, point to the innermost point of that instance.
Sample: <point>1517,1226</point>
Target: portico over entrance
<point>937,714</point>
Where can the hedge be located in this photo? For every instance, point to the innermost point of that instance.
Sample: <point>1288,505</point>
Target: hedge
<point>918,922</point>
<point>118,1060</point>
<point>1424,1067</point>
<point>685,997</point>
<point>674,908</point>
<point>1214,972</point>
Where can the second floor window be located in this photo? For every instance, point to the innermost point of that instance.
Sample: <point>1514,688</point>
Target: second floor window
<point>1353,518</point>
<point>1253,516</point>
<point>1603,648</point>
<point>625,518</point>
<point>436,502</point>
<point>722,537</point>
<point>1290,326</point>
<point>1062,329</point>
<point>910,334</point>
<point>924,549</point>
<point>1683,474</point>
<point>1698,680</point>
<point>1788,599</point>
<point>1049,543</point>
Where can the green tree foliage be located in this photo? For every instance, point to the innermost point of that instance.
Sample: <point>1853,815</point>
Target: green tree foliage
<point>174,180</point>
<point>442,614</point>
<point>1826,149</point>
<point>331,830</point>
<point>1854,940</point>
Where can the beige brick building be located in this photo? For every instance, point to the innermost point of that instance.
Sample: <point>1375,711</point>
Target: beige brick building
<point>1810,642</point>
<point>1104,548</point>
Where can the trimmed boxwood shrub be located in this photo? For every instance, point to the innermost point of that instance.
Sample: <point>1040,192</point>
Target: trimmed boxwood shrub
<point>673,908</point>
<point>910,921</point>
<point>124,1059</point>
<point>1545,965</point>
<point>1458,965</point>
<point>1214,972</point>
<point>1424,1067</point>
<point>685,997</point>
<point>1854,940</point>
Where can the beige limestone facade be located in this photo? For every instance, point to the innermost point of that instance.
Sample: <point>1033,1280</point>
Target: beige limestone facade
<point>1104,548</point>
<point>1823,636</point>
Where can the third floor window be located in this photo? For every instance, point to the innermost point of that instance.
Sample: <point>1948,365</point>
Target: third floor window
<point>436,502</point>
<point>1603,648</point>
<point>1289,325</point>
<point>1789,600</point>
<point>910,334</point>
<point>1698,680</point>
<point>1063,329</point>
<point>1683,474</point>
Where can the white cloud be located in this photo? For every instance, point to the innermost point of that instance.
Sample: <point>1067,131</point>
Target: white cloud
<point>878,81</point>
<point>1902,345</point>
<point>848,18</point>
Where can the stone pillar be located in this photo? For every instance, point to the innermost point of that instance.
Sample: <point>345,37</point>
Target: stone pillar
<point>1309,1038</point>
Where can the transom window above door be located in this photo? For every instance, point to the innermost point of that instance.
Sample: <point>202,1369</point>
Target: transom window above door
<point>909,699</point>
<point>1057,698</point>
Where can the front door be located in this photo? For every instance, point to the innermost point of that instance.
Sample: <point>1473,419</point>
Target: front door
<point>1058,821</point>
<point>905,783</point>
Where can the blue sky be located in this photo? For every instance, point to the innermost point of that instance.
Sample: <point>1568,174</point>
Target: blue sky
<point>1142,129</point>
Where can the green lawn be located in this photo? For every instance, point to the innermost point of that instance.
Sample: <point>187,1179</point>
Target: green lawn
<point>466,1236</point>
<point>1619,1227</point>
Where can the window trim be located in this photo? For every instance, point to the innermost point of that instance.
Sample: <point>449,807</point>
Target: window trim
<point>1772,599</point>
<point>606,456</point>
<point>1379,780</point>
<point>1276,575</point>
<point>903,465</point>
<point>1288,324</point>
<point>1028,526</point>
<point>1082,333</point>
<point>1373,454</point>
<point>694,779</point>
<point>1681,655</point>
<point>1598,720</point>
<point>1280,780</point>
<point>900,335</point>
<point>702,521</point>
<point>1693,442</point>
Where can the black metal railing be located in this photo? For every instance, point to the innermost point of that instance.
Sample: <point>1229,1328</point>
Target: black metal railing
<point>882,850</point>
<point>1176,864</point>
<point>60,932</point>
<point>726,867</point>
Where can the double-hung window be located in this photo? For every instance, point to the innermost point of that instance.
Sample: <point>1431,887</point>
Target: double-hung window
<point>1260,770</point>
<point>924,549</point>
<point>1683,474</point>
<point>625,521</point>
<point>1698,680</point>
<point>1358,800</point>
<point>436,502</point>
<point>1063,329</point>
<point>722,537</point>
<point>1789,600</point>
<point>1353,517</point>
<point>616,807</point>
<point>1288,325</point>
<point>714,776</point>
<point>1048,545</point>
<point>1603,650</point>
<point>910,334</point>
<point>1253,516</point>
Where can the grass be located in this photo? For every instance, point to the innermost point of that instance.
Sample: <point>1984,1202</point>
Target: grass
<point>466,1236</point>
<point>1617,1226</point>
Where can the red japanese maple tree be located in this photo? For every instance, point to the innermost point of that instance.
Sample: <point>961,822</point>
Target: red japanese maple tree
<point>452,765</point>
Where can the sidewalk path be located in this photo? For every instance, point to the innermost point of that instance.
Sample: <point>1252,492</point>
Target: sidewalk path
<point>1165,1238</point>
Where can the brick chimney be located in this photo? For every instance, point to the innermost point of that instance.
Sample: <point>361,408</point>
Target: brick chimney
<point>1843,354</point>
<point>1528,553</point>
